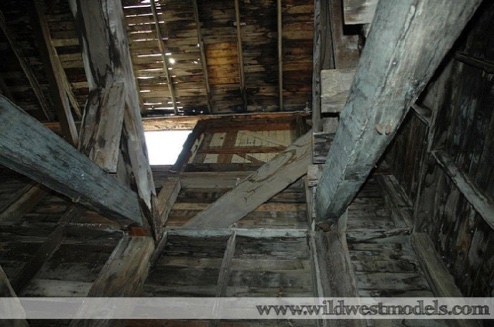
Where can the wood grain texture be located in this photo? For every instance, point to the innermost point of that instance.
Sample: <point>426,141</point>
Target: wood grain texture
<point>395,54</point>
<point>359,11</point>
<point>267,181</point>
<point>335,88</point>
<point>46,158</point>
<point>122,276</point>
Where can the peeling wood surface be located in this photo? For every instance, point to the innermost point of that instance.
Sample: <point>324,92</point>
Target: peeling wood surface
<point>270,179</point>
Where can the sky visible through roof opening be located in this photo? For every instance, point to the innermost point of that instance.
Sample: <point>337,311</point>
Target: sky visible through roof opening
<point>165,146</point>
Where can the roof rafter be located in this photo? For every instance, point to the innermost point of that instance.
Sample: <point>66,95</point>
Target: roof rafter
<point>240,54</point>
<point>204,63</point>
<point>161,45</point>
<point>280,53</point>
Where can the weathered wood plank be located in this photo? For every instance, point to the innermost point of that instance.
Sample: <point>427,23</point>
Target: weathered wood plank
<point>485,65</point>
<point>482,204</point>
<point>335,88</point>
<point>107,61</point>
<point>46,250</point>
<point>26,67</point>
<point>268,180</point>
<point>359,11</point>
<point>166,199</point>
<point>336,277</point>
<point>31,149</point>
<point>440,280</point>
<point>381,94</point>
<point>60,88</point>
<point>6,290</point>
<point>321,143</point>
<point>101,129</point>
<point>16,210</point>
<point>122,276</point>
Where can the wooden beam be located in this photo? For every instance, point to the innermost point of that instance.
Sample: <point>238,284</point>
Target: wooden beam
<point>166,68</point>
<point>46,250</point>
<point>437,274</point>
<point>240,53</point>
<point>107,61</point>
<point>6,290</point>
<point>166,198</point>
<point>407,43</point>
<point>16,210</point>
<point>485,65</point>
<point>480,202</point>
<point>60,89</point>
<point>101,130</point>
<point>31,149</point>
<point>279,20</point>
<point>323,56</point>
<point>357,12</point>
<point>204,63</point>
<point>270,179</point>
<point>336,277</point>
<point>122,276</point>
<point>26,68</point>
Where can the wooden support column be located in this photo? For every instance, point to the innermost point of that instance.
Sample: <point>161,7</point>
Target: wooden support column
<point>280,52</point>
<point>122,276</point>
<point>26,68</point>
<point>108,64</point>
<point>270,179</point>
<point>405,46</point>
<point>204,63</point>
<point>240,53</point>
<point>323,57</point>
<point>31,149</point>
<point>6,290</point>
<point>60,88</point>
<point>161,46</point>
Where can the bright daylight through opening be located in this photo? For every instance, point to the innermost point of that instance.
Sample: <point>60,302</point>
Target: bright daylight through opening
<point>165,146</point>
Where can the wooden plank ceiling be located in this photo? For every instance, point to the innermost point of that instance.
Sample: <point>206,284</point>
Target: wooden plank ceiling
<point>222,56</point>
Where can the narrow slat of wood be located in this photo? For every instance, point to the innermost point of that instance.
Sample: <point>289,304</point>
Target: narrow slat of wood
<point>416,38</point>
<point>6,290</point>
<point>267,181</point>
<point>46,250</point>
<point>161,45</point>
<point>279,21</point>
<point>31,149</point>
<point>485,65</point>
<point>122,276</point>
<point>60,88</point>
<point>398,201</point>
<point>481,203</point>
<point>335,88</point>
<point>26,68</point>
<point>240,53</point>
<point>16,210</point>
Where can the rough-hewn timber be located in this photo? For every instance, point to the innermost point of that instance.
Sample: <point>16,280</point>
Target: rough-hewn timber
<point>267,181</point>
<point>390,76</point>
<point>31,149</point>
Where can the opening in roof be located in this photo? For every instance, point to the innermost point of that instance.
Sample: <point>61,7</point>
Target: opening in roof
<point>165,146</point>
